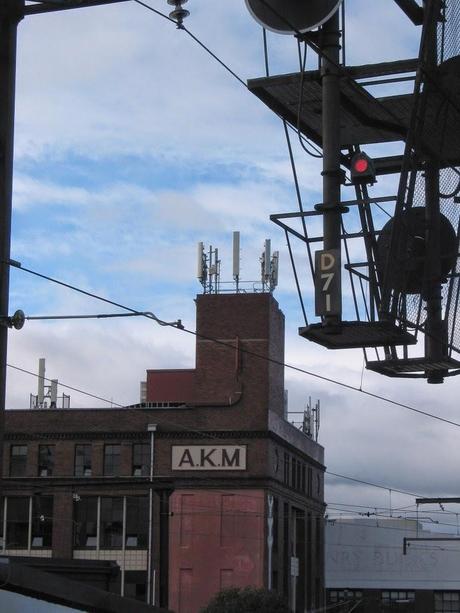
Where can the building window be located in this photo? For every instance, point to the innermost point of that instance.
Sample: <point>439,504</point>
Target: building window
<point>286,468</point>
<point>397,596</point>
<point>141,459</point>
<point>137,521</point>
<point>42,521</point>
<point>83,460</point>
<point>111,523</point>
<point>85,522</point>
<point>446,601</point>
<point>45,460</point>
<point>112,456</point>
<point>17,522</point>
<point>336,596</point>
<point>18,460</point>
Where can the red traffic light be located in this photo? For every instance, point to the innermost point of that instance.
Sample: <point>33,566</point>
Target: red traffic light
<point>362,169</point>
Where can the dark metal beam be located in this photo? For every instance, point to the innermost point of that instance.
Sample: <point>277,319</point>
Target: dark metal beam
<point>10,15</point>
<point>412,10</point>
<point>49,7</point>
<point>407,540</point>
<point>436,500</point>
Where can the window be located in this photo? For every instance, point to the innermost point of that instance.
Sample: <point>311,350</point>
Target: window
<point>18,460</point>
<point>286,468</point>
<point>137,521</point>
<point>85,522</point>
<point>17,523</point>
<point>112,460</point>
<point>45,460</point>
<point>344,595</point>
<point>395,596</point>
<point>111,523</point>
<point>42,521</point>
<point>83,460</point>
<point>446,601</point>
<point>141,459</point>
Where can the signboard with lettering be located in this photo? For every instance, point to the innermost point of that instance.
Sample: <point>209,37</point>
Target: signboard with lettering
<point>216,457</point>
<point>328,285</point>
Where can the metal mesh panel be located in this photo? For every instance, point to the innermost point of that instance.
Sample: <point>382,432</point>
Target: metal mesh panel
<point>434,136</point>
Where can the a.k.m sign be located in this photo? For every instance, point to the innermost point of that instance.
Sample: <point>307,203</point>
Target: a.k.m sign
<point>217,457</point>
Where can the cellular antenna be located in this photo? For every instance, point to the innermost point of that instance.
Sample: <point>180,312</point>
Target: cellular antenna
<point>41,382</point>
<point>275,265</point>
<point>236,258</point>
<point>201,264</point>
<point>266,264</point>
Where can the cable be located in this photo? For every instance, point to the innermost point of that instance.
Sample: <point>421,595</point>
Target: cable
<point>74,389</point>
<point>193,37</point>
<point>316,153</point>
<point>328,472</point>
<point>243,350</point>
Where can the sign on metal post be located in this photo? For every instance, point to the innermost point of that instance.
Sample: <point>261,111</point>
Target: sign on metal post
<point>328,282</point>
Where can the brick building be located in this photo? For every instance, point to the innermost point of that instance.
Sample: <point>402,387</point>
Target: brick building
<point>203,485</point>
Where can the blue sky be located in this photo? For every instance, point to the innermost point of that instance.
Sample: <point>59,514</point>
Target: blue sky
<point>132,144</point>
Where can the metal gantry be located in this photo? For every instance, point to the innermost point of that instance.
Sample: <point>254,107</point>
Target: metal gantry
<point>398,254</point>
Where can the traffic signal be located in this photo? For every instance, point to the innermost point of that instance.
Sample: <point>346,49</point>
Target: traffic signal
<point>362,169</point>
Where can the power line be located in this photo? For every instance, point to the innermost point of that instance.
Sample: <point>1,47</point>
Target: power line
<point>197,40</point>
<point>179,326</point>
<point>74,389</point>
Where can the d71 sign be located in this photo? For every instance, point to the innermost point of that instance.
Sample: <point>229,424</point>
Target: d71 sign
<point>328,300</point>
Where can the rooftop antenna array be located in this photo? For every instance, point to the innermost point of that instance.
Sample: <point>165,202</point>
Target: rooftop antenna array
<point>311,420</point>
<point>47,395</point>
<point>401,271</point>
<point>209,266</point>
<point>269,267</point>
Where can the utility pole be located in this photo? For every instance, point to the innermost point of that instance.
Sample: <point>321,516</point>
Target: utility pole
<point>11,13</point>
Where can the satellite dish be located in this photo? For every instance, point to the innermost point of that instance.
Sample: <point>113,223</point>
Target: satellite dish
<point>292,16</point>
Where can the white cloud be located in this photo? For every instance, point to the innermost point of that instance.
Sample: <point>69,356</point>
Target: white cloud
<point>131,145</point>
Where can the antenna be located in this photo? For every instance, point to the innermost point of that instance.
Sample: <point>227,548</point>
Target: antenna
<point>266,264</point>
<point>236,258</point>
<point>311,420</point>
<point>209,269</point>
<point>275,265</point>
<point>53,393</point>
<point>201,264</point>
<point>41,382</point>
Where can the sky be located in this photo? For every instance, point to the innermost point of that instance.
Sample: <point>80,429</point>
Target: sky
<point>131,145</point>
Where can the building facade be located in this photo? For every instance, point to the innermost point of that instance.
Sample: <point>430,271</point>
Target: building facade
<point>370,570</point>
<point>201,486</point>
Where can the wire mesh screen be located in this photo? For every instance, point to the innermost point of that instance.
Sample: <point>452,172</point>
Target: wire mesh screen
<point>433,142</point>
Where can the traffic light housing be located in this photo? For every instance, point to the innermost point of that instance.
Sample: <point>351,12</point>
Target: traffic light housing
<point>362,169</point>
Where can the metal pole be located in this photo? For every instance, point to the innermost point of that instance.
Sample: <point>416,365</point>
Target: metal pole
<point>11,12</point>
<point>330,75</point>
<point>435,331</point>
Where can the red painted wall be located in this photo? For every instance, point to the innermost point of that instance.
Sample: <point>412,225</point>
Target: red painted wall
<point>170,385</point>
<point>216,541</point>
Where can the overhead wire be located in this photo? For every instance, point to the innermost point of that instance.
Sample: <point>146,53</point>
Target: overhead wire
<point>70,387</point>
<point>242,349</point>
<point>327,379</point>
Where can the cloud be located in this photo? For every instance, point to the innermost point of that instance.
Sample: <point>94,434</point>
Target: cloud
<point>132,144</point>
